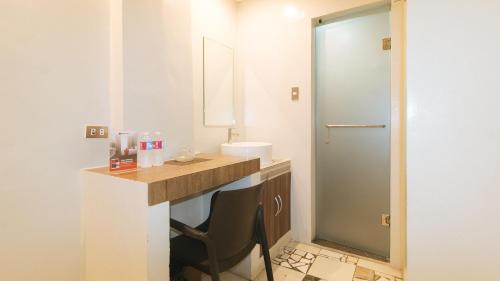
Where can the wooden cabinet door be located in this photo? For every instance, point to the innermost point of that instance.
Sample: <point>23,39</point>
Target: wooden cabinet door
<point>270,209</point>
<point>284,196</point>
<point>276,203</point>
<point>274,187</point>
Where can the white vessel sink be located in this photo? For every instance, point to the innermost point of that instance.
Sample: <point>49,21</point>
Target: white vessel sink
<point>262,150</point>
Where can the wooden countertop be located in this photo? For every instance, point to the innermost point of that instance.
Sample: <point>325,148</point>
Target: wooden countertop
<point>176,180</point>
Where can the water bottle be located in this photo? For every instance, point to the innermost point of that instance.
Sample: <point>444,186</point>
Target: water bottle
<point>145,153</point>
<point>157,149</point>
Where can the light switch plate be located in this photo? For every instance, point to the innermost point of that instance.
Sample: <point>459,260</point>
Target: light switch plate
<point>295,93</point>
<point>386,44</point>
<point>96,132</point>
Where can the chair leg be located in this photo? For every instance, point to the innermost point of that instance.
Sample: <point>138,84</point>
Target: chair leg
<point>214,275</point>
<point>214,270</point>
<point>265,246</point>
<point>214,265</point>
<point>267,260</point>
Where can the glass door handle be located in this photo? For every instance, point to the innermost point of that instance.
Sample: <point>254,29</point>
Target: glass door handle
<point>355,126</point>
<point>343,126</point>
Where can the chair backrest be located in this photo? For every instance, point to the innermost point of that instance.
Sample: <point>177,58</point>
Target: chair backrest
<point>232,221</point>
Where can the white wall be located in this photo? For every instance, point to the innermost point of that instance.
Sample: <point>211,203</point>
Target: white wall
<point>163,68</point>
<point>116,64</point>
<point>62,66</point>
<point>274,46</point>
<point>157,91</point>
<point>215,19</point>
<point>54,70</point>
<point>453,140</point>
<point>158,84</point>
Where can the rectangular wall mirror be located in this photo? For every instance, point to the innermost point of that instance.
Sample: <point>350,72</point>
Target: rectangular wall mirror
<point>218,84</point>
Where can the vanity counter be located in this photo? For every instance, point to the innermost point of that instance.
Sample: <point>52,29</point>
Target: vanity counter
<point>180,180</point>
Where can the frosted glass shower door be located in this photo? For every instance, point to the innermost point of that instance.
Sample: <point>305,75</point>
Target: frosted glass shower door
<point>352,162</point>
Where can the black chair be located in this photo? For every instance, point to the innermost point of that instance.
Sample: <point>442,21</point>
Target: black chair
<point>233,228</point>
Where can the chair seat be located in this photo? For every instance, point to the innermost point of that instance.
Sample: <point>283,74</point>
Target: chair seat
<point>189,251</point>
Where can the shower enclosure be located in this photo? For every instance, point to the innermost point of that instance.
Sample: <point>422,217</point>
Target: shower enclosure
<point>352,115</point>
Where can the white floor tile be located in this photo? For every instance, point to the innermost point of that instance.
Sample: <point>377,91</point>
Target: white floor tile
<point>382,278</point>
<point>379,267</point>
<point>307,248</point>
<point>351,259</point>
<point>282,274</point>
<point>331,269</point>
<point>331,254</point>
<point>385,277</point>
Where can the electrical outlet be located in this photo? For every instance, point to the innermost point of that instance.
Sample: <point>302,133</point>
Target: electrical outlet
<point>96,132</point>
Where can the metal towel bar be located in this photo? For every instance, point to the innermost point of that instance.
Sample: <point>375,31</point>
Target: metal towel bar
<point>355,126</point>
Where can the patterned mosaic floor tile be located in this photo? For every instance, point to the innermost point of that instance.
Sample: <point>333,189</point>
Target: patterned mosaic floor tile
<point>312,278</point>
<point>296,259</point>
<point>333,264</point>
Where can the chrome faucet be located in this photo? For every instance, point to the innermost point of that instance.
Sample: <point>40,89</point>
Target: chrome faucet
<point>230,135</point>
